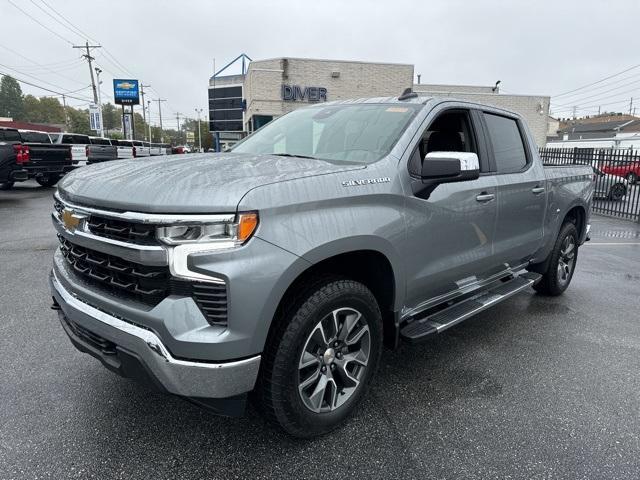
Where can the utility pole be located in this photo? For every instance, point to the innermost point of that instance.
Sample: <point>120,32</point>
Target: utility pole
<point>89,59</point>
<point>149,108</point>
<point>199,111</point>
<point>631,106</point>
<point>144,116</point>
<point>160,113</point>
<point>574,112</point>
<point>98,72</point>
<point>64,108</point>
<point>178,120</point>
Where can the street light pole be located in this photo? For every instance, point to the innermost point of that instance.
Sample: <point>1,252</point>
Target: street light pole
<point>199,111</point>
<point>98,72</point>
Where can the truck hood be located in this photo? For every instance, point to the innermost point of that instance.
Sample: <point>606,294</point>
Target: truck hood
<point>196,183</point>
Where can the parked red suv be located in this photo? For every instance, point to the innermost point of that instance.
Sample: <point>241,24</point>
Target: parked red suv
<point>627,169</point>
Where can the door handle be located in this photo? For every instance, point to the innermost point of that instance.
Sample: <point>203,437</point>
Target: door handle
<point>485,197</point>
<point>537,190</point>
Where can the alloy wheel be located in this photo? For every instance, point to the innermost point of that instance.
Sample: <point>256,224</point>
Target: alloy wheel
<point>566,260</point>
<point>334,360</point>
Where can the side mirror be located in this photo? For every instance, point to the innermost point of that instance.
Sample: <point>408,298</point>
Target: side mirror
<point>446,167</point>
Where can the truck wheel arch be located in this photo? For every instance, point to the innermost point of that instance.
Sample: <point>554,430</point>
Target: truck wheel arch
<point>371,267</point>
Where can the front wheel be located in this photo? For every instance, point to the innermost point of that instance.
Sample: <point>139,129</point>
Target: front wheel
<point>6,185</point>
<point>562,263</point>
<point>322,357</point>
<point>48,180</point>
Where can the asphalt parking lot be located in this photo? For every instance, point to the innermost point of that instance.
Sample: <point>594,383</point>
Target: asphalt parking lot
<point>535,388</point>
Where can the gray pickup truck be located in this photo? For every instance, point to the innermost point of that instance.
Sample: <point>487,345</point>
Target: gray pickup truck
<point>283,266</point>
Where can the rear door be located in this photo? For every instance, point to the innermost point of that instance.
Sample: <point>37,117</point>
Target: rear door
<point>521,188</point>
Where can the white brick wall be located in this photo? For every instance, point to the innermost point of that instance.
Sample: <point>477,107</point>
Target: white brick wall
<point>529,106</point>
<point>264,79</point>
<point>357,79</point>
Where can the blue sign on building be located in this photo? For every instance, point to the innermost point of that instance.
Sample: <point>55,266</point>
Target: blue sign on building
<point>126,92</point>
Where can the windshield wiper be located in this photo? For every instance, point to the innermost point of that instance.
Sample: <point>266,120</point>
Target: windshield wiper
<point>297,156</point>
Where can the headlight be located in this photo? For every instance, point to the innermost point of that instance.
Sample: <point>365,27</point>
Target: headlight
<point>232,233</point>
<point>188,239</point>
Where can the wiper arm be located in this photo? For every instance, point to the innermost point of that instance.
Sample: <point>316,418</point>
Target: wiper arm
<point>296,156</point>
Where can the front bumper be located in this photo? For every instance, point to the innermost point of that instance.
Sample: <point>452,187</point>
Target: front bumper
<point>120,345</point>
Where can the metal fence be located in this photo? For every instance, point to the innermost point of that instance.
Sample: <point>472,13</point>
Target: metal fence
<point>616,177</point>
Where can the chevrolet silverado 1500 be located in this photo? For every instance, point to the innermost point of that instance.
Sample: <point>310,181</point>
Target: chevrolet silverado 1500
<point>284,265</point>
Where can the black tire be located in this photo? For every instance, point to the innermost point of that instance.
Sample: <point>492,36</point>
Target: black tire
<point>48,180</point>
<point>6,185</point>
<point>280,377</point>
<point>632,178</point>
<point>553,283</point>
<point>617,192</point>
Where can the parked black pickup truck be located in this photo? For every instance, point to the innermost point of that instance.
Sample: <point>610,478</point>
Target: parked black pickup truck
<point>37,156</point>
<point>12,158</point>
<point>47,162</point>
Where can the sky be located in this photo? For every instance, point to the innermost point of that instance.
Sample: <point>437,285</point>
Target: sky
<point>537,47</point>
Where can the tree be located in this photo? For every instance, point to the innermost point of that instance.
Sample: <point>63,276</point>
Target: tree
<point>79,121</point>
<point>32,109</point>
<point>11,101</point>
<point>110,117</point>
<point>51,110</point>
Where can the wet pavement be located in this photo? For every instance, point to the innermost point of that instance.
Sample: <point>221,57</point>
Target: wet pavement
<point>534,388</point>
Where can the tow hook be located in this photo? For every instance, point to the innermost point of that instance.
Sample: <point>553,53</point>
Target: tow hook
<point>55,305</point>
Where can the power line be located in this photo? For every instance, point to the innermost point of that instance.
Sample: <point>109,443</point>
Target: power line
<point>32,76</point>
<point>36,63</point>
<point>42,88</point>
<point>608,84</point>
<point>596,82</point>
<point>41,24</point>
<point>51,16</point>
<point>77,30</point>
<point>576,102</point>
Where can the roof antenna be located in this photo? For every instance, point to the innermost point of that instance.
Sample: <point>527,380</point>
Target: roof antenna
<point>496,86</point>
<point>407,94</point>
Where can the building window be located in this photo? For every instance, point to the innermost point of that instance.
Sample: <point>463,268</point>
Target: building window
<point>225,109</point>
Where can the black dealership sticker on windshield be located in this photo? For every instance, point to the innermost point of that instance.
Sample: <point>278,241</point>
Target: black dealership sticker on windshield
<point>365,181</point>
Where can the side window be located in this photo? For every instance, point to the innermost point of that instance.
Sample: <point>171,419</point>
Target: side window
<point>450,132</point>
<point>508,147</point>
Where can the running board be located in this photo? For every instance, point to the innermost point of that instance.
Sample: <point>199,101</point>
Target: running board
<point>419,330</point>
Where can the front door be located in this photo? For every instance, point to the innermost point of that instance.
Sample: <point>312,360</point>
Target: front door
<point>450,234</point>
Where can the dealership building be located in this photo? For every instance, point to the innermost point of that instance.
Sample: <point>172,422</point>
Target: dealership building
<point>240,104</point>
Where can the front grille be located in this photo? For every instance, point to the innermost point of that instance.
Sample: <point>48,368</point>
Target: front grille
<point>143,283</point>
<point>138,233</point>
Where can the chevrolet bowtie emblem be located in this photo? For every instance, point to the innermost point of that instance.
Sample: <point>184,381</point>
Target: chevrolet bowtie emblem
<point>70,220</point>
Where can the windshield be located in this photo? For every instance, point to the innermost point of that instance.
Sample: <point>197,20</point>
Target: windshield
<point>362,133</point>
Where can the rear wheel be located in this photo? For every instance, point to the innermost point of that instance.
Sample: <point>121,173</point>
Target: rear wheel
<point>632,178</point>
<point>6,185</point>
<point>48,180</point>
<point>320,361</point>
<point>562,263</point>
<point>617,192</point>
